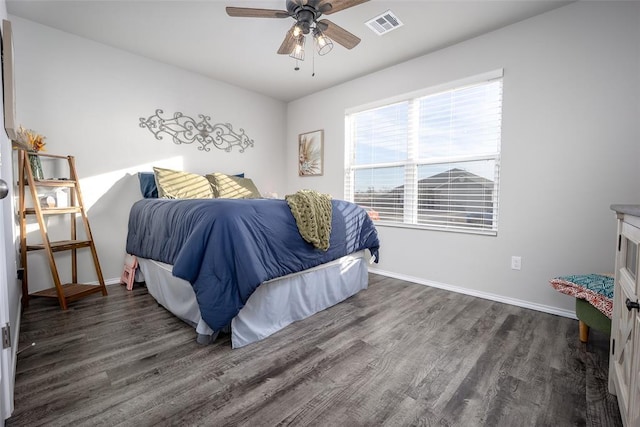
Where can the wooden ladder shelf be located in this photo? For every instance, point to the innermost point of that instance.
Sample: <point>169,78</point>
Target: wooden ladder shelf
<point>63,292</point>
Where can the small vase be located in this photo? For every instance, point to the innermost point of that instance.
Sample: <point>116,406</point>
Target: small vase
<point>36,167</point>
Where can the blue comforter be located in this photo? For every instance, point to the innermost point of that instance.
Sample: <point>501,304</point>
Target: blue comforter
<point>226,248</point>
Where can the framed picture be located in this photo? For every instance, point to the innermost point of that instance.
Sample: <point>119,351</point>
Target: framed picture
<point>7,81</point>
<point>311,153</point>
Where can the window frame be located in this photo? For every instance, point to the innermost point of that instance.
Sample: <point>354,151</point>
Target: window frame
<point>410,205</point>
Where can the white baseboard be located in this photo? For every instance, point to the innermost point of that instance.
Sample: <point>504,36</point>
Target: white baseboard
<point>458,289</point>
<point>107,282</point>
<point>485,295</point>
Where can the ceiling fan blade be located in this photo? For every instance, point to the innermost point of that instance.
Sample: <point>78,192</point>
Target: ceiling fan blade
<point>324,7</point>
<point>338,5</point>
<point>247,12</point>
<point>288,44</point>
<point>338,34</point>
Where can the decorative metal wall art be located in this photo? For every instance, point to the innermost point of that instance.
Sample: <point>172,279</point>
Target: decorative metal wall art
<point>187,130</point>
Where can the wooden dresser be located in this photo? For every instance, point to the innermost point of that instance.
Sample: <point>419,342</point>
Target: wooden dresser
<point>624,359</point>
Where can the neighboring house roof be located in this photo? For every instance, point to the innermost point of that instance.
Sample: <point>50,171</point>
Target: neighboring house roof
<point>453,175</point>
<point>446,178</point>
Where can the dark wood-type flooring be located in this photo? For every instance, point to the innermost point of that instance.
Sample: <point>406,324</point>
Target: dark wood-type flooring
<point>396,354</point>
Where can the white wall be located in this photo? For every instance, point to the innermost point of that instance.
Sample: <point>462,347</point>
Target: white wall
<point>87,99</point>
<point>570,148</point>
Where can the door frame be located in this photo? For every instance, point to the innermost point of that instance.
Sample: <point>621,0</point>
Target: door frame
<point>10,289</point>
<point>7,355</point>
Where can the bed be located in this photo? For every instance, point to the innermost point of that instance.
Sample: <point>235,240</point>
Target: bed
<point>242,265</point>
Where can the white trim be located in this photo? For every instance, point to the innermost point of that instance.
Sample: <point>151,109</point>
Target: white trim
<point>484,295</point>
<point>465,205</point>
<point>114,281</point>
<point>479,232</point>
<point>15,330</point>
<point>456,84</point>
<point>8,80</point>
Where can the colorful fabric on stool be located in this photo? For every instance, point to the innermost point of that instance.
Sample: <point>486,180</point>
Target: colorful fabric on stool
<point>597,289</point>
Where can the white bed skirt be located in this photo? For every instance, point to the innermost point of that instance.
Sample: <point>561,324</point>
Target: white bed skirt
<point>274,305</point>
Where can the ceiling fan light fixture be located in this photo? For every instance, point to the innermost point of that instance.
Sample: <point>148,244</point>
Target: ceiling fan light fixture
<point>307,14</point>
<point>297,30</point>
<point>323,43</point>
<point>301,27</point>
<point>298,49</point>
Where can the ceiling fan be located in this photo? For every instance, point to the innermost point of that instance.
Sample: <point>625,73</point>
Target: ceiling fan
<point>307,15</point>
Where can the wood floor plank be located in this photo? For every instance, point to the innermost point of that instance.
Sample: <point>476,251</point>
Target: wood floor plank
<point>395,354</point>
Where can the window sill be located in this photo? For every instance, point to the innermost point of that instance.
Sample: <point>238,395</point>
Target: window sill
<point>493,233</point>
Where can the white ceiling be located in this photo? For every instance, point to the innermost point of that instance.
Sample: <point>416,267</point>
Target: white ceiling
<point>200,36</point>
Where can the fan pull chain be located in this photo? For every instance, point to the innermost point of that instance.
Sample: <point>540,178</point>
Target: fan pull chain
<point>313,62</point>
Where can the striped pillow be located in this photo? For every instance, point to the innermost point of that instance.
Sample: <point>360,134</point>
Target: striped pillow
<point>174,184</point>
<point>232,187</point>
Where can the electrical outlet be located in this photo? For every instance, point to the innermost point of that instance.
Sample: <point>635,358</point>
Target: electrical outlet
<point>516,262</point>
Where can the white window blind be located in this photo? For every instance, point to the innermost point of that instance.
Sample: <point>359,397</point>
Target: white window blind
<point>429,160</point>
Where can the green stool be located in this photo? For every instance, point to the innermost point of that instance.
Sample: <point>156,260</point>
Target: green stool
<point>591,317</point>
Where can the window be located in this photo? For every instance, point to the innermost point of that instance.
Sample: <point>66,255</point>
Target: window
<point>430,159</point>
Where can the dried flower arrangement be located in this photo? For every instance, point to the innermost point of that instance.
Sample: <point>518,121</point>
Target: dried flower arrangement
<point>30,140</point>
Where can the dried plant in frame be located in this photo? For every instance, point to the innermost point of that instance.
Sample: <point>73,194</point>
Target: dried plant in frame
<point>310,153</point>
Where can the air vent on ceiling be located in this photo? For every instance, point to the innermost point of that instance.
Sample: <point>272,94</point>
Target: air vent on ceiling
<point>384,23</point>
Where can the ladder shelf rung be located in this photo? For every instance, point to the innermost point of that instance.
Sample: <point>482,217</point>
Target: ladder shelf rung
<point>49,155</point>
<point>72,291</point>
<point>53,183</point>
<point>62,245</point>
<point>54,211</point>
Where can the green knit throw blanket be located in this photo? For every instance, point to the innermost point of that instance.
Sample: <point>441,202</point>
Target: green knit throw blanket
<point>312,212</point>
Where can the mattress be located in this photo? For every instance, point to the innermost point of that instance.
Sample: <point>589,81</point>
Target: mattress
<point>274,305</point>
<point>227,247</point>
